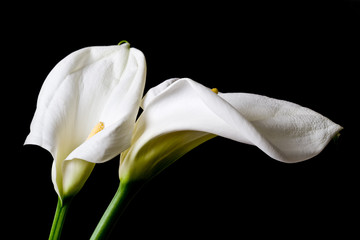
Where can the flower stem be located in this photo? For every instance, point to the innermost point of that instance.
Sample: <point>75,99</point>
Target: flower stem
<point>59,219</point>
<point>120,201</point>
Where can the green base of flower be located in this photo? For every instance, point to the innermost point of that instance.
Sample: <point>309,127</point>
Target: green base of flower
<point>59,219</point>
<point>120,201</point>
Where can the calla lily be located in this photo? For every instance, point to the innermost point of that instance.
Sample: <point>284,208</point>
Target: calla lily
<point>86,110</point>
<point>180,114</point>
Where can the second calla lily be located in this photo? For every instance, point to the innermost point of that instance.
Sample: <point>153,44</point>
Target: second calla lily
<point>180,114</point>
<point>86,110</point>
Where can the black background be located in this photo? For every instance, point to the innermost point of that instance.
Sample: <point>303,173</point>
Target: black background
<point>306,53</point>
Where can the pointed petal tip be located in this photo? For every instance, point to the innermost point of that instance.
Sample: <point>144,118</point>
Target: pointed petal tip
<point>124,42</point>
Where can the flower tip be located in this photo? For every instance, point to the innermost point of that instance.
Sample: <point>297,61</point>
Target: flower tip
<point>123,41</point>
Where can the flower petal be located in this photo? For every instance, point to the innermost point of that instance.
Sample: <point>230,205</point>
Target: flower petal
<point>119,114</point>
<point>153,92</point>
<point>290,132</point>
<point>71,98</point>
<point>188,107</point>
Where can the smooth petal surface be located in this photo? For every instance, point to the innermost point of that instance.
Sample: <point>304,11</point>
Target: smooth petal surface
<point>88,86</point>
<point>118,113</point>
<point>187,113</point>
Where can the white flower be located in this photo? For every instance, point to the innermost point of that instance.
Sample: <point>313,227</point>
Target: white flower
<point>180,114</point>
<point>96,91</point>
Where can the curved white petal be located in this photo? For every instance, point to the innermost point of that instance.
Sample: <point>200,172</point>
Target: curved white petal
<point>73,94</point>
<point>289,132</point>
<point>153,92</point>
<point>283,130</point>
<point>88,86</point>
<point>118,114</point>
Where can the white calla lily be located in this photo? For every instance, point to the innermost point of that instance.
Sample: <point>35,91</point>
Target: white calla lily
<point>180,114</point>
<point>97,87</point>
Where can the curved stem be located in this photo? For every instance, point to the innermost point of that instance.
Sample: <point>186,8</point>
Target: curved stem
<point>120,201</point>
<point>59,219</point>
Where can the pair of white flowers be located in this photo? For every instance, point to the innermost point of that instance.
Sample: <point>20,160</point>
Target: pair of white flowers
<point>86,114</point>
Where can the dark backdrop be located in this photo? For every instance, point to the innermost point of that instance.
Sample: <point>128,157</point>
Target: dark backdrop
<point>306,53</point>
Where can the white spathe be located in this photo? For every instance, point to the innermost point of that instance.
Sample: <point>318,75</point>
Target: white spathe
<point>180,114</point>
<point>91,85</point>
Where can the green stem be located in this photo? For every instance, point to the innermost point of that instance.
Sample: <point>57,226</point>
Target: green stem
<point>59,219</point>
<point>120,201</point>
